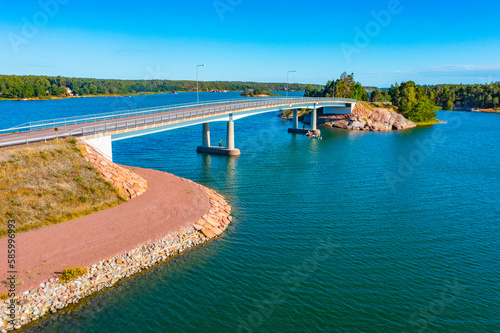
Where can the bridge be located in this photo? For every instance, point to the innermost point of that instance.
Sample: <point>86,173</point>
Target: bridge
<point>99,130</point>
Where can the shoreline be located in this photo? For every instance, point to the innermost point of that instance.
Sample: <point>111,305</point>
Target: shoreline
<point>51,98</point>
<point>478,111</point>
<point>113,255</point>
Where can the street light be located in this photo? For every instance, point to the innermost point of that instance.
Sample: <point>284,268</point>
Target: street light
<point>197,97</point>
<point>287,74</point>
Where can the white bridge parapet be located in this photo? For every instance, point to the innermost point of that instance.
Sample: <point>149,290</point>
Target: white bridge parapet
<point>102,145</point>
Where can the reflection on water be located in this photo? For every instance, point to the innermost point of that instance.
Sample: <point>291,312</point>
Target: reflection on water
<point>396,249</point>
<point>218,168</point>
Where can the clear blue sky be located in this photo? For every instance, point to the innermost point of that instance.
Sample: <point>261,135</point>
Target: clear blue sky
<point>429,42</point>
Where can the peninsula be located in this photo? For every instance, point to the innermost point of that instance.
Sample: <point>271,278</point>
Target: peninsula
<point>63,262</point>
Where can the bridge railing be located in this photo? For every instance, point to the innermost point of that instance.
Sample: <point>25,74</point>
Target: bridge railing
<point>60,122</point>
<point>169,117</point>
<point>166,118</point>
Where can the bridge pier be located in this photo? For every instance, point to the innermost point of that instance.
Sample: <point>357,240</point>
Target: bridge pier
<point>206,135</point>
<point>230,135</point>
<point>314,115</point>
<point>313,129</point>
<point>314,121</point>
<point>229,150</point>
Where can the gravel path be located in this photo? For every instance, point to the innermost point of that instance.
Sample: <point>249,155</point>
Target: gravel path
<point>168,205</point>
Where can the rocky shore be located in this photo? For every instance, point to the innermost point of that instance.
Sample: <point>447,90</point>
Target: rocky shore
<point>54,294</point>
<point>364,119</point>
<point>361,119</point>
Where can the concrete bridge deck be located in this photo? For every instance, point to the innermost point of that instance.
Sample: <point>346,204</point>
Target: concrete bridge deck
<point>100,130</point>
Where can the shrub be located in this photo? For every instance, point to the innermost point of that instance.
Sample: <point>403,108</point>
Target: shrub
<point>72,273</point>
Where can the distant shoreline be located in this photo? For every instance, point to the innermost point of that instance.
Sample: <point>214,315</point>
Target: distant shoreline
<point>481,111</point>
<point>49,98</point>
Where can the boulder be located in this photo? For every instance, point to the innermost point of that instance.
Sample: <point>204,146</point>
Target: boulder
<point>382,120</point>
<point>357,124</point>
<point>402,123</point>
<point>340,123</point>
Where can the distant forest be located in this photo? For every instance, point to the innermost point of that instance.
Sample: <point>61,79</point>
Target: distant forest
<point>408,94</point>
<point>450,96</point>
<point>20,87</point>
<point>415,102</point>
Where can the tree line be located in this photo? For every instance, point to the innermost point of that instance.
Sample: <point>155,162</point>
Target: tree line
<point>344,87</point>
<point>451,96</point>
<point>31,86</point>
<point>415,102</point>
<point>411,100</point>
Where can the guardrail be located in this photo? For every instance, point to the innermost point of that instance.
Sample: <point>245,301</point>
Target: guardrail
<point>60,122</point>
<point>237,104</point>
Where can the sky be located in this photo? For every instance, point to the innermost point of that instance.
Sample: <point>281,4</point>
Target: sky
<point>381,42</point>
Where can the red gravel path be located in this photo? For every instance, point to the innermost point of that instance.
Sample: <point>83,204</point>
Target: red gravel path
<point>168,205</point>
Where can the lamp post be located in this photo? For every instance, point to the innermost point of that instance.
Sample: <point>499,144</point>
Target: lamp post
<point>197,96</point>
<point>287,75</point>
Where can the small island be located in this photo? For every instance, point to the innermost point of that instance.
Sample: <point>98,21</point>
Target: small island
<point>413,102</point>
<point>256,93</point>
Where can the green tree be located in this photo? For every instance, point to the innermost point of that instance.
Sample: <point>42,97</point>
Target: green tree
<point>449,105</point>
<point>407,98</point>
<point>54,90</point>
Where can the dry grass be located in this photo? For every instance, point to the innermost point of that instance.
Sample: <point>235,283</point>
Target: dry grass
<point>374,105</point>
<point>72,273</point>
<point>48,183</point>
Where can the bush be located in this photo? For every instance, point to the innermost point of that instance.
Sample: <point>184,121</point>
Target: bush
<point>72,273</point>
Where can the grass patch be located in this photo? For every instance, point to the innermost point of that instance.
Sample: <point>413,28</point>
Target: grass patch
<point>48,183</point>
<point>428,123</point>
<point>72,273</point>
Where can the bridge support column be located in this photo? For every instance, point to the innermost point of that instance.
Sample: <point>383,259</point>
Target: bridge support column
<point>313,129</point>
<point>314,115</point>
<point>228,150</point>
<point>314,121</point>
<point>206,135</point>
<point>230,135</point>
<point>295,128</point>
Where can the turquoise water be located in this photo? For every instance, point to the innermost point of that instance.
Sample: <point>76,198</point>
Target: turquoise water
<point>358,232</point>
